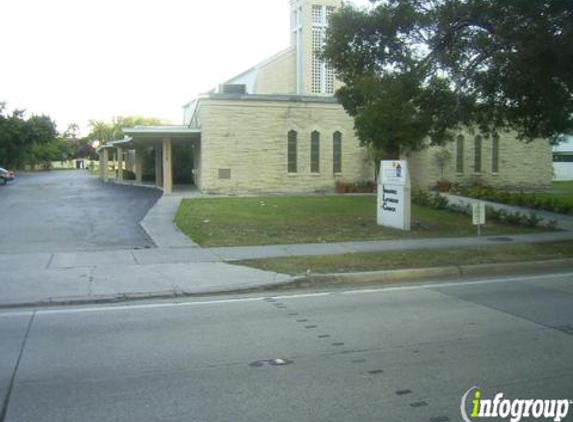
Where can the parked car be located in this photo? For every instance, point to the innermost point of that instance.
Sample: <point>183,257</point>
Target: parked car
<point>6,175</point>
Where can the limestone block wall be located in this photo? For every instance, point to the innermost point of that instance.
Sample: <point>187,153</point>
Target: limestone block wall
<point>521,165</point>
<point>244,146</point>
<point>277,76</point>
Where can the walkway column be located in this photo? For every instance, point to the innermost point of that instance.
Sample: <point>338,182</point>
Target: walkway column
<point>138,164</point>
<point>167,166</point>
<point>103,163</point>
<point>119,164</point>
<point>158,166</point>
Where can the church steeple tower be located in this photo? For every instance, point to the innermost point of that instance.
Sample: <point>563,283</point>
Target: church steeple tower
<point>309,19</point>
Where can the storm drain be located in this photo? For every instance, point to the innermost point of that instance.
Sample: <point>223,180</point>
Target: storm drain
<point>501,239</point>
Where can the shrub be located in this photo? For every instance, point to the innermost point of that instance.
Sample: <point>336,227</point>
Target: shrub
<point>439,202</point>
<point>520,198</point>
<point>426,199</point>
<point>551,225</point>
<point>420,197</point>
<point>516,219</point>
<point>563,208</point>
<point>128,175</point>
<point>532,220</point>
<point>495,214</point>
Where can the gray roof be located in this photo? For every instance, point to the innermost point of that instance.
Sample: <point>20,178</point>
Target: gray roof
<point>172,131</point>
<point>272,97</point>
<point>161,129</point>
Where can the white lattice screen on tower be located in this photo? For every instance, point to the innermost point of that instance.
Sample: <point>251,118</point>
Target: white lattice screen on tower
<point>317,14</point>
<point>316,62</point>
<point>322,75</point>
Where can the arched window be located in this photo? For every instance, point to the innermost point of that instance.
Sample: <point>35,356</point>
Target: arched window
<point>337,152</point>
<point>292,152</point>
<point>460,154</point>
<point>495,154</point>
<point>477,154</point>
<point>315,152</point>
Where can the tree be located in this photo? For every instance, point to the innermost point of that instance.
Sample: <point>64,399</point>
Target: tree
<point>85,149</point>
<point>100,131</point>
<point>40,129</point>
<point>12,138</point>
<point>106,132</point>
<point>72,131</point>
<point>515,58</point>
<point>21,139</point>
<point>46,152</point>
<point>373,154</point>
<point>442,157</point>
<point>418,69</point>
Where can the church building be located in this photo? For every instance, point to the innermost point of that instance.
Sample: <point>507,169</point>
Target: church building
<point>277,127</point>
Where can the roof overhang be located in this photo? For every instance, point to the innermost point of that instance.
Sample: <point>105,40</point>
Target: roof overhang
<point>126,142</point>
<point>152,135</point>
<point>105,146</point>
<point>162,132</point>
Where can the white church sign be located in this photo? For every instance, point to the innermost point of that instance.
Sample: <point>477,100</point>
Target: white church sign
<point>394,196</point>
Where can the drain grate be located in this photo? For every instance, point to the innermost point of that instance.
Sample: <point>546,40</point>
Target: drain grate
<point>439,419</point>
<point>501,239</point>
<point>419,404</point>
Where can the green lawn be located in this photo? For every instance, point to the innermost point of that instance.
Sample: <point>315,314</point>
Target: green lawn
<point>311,219</point>
<point>563,191</point>
<point>327,264</point>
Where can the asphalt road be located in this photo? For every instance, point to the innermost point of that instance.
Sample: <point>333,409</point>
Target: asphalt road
<point>403,354</point>
<point>63,211</point>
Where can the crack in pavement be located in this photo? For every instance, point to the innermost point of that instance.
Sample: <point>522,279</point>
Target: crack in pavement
<point>4,409</point>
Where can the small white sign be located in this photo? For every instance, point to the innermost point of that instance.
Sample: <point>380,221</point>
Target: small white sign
<point>478,213</point>
<point>394,195</point>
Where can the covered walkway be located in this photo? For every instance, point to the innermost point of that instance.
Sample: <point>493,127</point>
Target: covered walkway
<point>160,140</point>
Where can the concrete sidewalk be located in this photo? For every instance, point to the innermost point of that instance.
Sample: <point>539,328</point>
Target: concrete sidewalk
<point>108,276</point>
<point>178,266</point>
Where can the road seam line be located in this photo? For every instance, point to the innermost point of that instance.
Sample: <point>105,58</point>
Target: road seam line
<point>6,401</point>
<point>49,264</point>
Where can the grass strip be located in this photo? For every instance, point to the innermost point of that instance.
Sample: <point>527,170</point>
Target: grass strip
<point>327,264</point>
<point>562,191</point>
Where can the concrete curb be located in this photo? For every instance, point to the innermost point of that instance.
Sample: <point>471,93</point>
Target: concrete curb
<point>512,267</point>
<point>316,280</point>
<point>431,272</point>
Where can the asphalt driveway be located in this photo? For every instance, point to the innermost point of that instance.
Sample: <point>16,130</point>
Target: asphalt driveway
<point>71,210</point>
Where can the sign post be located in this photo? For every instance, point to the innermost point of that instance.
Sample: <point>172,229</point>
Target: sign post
<point>394,195</point>
<point>478,217</point>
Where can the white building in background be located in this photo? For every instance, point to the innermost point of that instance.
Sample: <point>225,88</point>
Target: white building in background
<point>563,160</point>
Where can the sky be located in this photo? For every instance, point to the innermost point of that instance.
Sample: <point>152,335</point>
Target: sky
<point>76,60</point>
